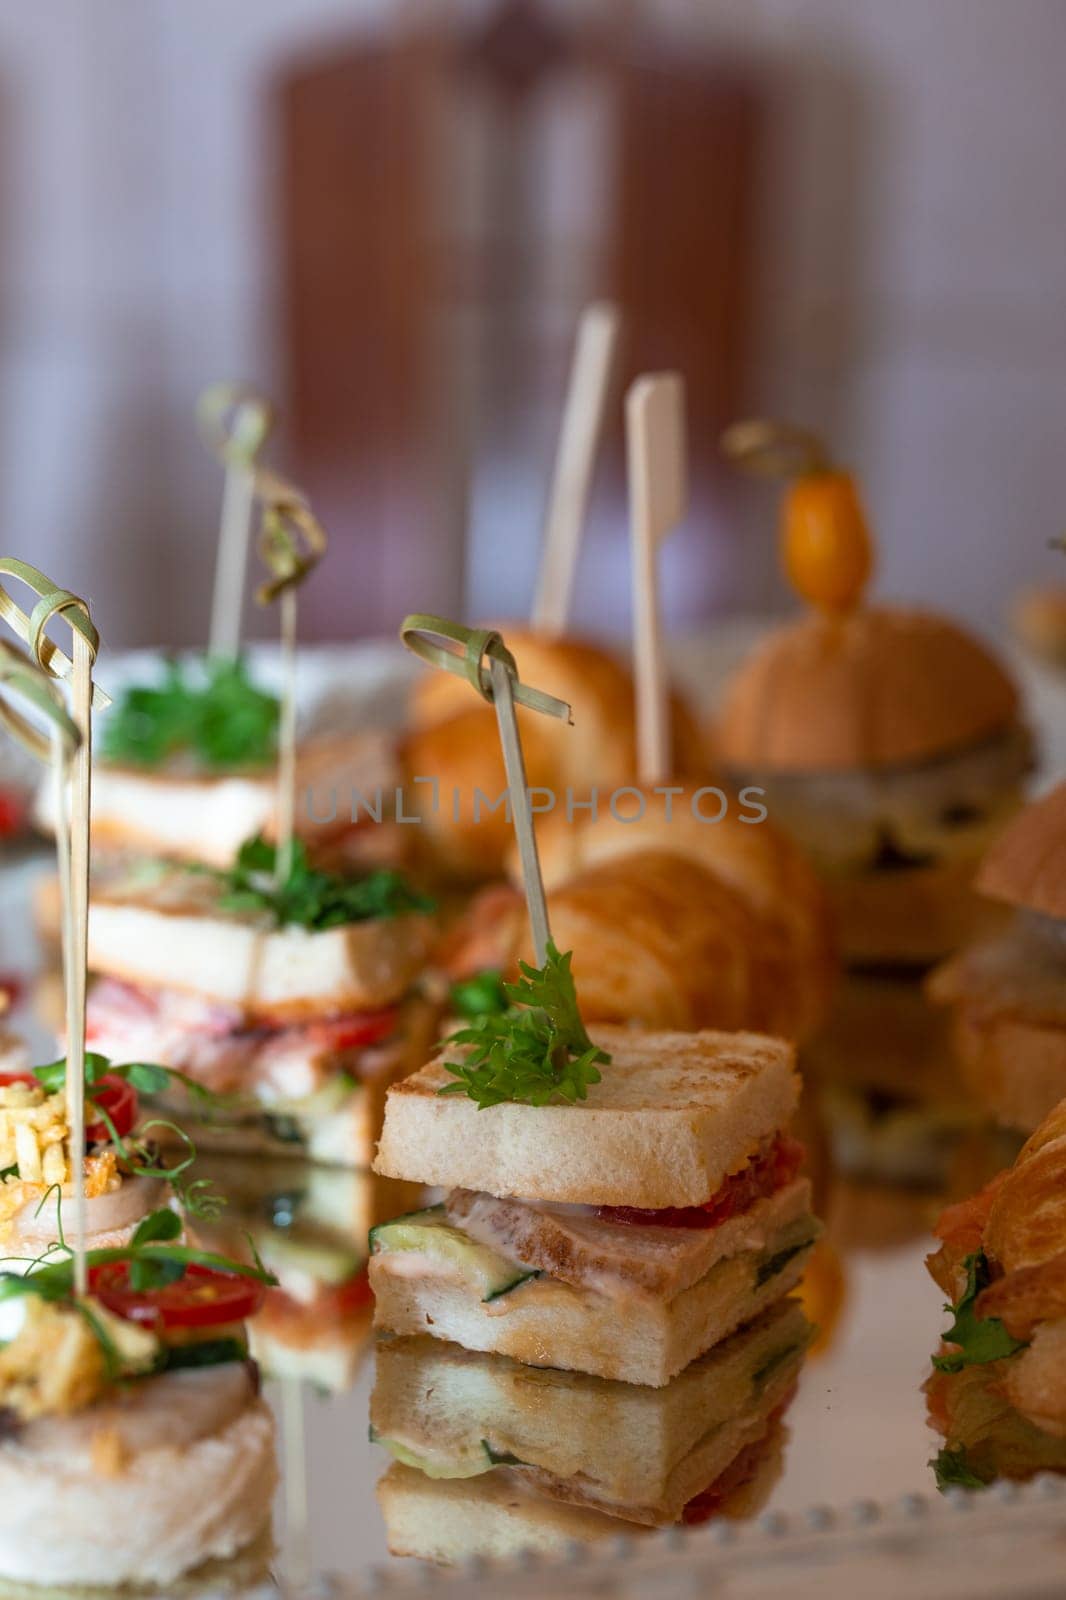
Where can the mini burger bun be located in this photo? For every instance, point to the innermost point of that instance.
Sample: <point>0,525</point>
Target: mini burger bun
<point>168,1513</point>
<point>1027,865</point>
<point>879,687</point>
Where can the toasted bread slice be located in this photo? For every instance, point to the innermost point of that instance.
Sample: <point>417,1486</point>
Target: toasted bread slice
<point>635,1452</point>
<point>624,1335</point>
<point>202,816</point>
<point>173,930</point>
<point>673,1115</point>
<point>498,1516</point>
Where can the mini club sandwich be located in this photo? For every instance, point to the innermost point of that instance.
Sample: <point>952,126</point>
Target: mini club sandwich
<point>188,772</point>
<point>1008,993</point>
<point>135,1444</point>
<point>124,1178</point>
<point>621,1232</point>
<point>308,1225</point>
<point>296,1005</point>
<point>998,1391</point>
<point>648,1456</point>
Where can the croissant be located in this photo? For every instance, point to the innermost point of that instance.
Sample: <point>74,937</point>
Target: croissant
<point>1020,1221</point>
<point>754,859</point>
<point>658,941</point>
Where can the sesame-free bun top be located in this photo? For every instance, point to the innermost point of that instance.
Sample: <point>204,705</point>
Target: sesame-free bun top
<point>1027,864</point>
<point>875,687</point>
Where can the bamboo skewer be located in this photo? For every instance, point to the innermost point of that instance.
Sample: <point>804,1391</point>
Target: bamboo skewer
<point>235,423</point>
<point>68,746</point>
<point>432,638</point>
<point>655,453</point>
<point>583,414</point>
<point>291,543</point>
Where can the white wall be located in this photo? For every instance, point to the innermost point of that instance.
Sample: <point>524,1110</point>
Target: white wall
<point>912,301</point>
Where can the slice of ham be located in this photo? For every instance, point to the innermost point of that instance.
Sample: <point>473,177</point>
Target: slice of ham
<point>213,1044</point>
<point>575,1245</point>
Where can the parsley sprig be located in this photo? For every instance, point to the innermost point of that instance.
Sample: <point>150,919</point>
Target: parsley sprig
<point>310,898</point>
<point>953,1471</point>
<point>975,1340</point>
<point>536,1051</point>
<point>213,712</point>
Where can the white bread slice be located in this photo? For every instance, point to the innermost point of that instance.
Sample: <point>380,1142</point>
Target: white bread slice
<point>673,1115</point>
<point>497,1517</point>
<point>185,941</point>
<point>630,1337</point>
<point>634,1452</point>
<point>448,1520</point>
<point>167,1512</point>
<point>207,817</point>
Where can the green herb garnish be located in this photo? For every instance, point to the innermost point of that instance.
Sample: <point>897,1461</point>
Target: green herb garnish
<point>313,899</point>
<point>953,1471</point>
<point>219,717</point>
<point>156,1260</point>
<point>485,994</point>
<point>536,1051</point>
<point>978,1339</point>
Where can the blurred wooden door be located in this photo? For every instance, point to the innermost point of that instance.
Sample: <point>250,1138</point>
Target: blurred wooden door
<point>400,300</point>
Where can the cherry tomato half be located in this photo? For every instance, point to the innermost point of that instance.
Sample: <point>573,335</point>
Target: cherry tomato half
<point>203,1298</point>
<point>119,1099</point>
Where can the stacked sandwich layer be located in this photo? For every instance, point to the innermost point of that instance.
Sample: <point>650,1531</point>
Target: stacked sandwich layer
<point>295,1029</point>
<point>624,1238</point>
<point>492,1456</point>
<point>1008,992</point>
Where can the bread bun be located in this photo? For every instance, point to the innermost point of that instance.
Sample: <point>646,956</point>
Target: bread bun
<point>166,1512</point>
<point>453,738</point>
<point>911,917</point>
<point>872,688</point>
<point>1027,865</point>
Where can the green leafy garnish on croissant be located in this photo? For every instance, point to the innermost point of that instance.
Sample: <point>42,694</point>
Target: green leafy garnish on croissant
<point>535,1052</point>
<point>975,1340</point>
<point>211,711</point>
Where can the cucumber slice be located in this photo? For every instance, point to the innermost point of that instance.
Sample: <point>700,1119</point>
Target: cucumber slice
<point>431,1234</point>
<point>467,1462</point>
<point>328,1264</point>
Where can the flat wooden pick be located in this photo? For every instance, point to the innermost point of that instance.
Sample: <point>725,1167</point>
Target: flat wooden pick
<point>586,402</point>
<point>655,451</point>
<point>489,667</point>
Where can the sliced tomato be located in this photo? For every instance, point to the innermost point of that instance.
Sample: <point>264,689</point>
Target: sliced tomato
<point>7,1078</point>
<point>329,1304</point>
<point>770,1169</point>
<point>741,1470</point>
<point>12,812</point>
<point>119,1099</point>
<point>202,1298</point>
<point>353,1033</point>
